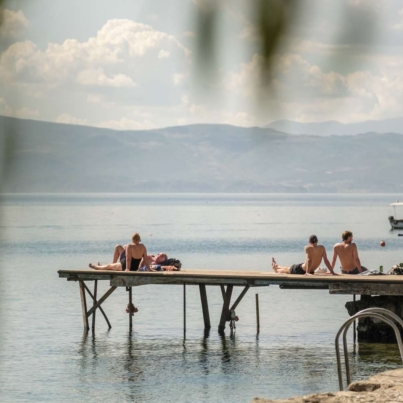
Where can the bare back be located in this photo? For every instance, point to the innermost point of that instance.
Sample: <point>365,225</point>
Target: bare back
<point>136,251</point>
<point>314,255</point>
<point>348,255</point>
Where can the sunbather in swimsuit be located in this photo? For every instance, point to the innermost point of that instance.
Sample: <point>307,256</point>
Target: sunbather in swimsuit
<point>133,253</point>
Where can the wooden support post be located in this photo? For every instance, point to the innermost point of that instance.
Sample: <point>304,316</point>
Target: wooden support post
<point>257,315</point>
<point>100,301</point>
<point>354,323</point>
<point>184,311</point>
<point>222,292</point>
<point>225,308</point>
<point>239,299</point>
<point>84,306</point>
<point>130,310</point>
<point>99,307</point>
<point>94,302</point>
<point>204,302</point>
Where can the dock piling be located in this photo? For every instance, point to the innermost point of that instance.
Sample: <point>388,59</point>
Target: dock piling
<point>204,302</point>
<point>94,301</point>
<point>257,315</point>
<point>225,308</point>
<point>84,306</point>
<point>184,311</point>
<point>97,307</point>
<point>355,323</point>
<point>130,310</point>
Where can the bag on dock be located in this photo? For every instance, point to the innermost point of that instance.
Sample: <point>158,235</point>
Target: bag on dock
<point>397,269</point>
<point>371,273</point>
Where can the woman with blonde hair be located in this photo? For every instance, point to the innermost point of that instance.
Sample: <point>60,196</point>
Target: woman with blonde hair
<point>127,258</point>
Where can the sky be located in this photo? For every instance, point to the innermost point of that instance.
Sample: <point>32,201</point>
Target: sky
<point>131,64</point>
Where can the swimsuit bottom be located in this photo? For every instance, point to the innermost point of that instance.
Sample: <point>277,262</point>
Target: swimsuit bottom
<point>134,265</point>
<point>297,269</point>
<point>153,266</point>
<point>355,271</point>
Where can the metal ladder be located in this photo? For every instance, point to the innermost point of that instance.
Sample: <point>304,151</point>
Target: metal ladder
<point>378,313</point>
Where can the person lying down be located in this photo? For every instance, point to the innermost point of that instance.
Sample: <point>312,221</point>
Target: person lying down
<point>143,262</point>
<point>156,262</point>
<point>314,254</point>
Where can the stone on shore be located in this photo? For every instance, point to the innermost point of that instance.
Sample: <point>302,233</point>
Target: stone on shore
<point>385,387</point>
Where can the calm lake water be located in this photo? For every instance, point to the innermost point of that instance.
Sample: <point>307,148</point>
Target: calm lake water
<point>44,355</point>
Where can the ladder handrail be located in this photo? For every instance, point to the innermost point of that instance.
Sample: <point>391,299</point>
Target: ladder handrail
<point>378,310</point>
<point>348,322</point>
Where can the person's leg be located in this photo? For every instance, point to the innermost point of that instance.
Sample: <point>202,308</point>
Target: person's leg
<point>279,269</point>
<point>112,266</point>
<point>117,252</point>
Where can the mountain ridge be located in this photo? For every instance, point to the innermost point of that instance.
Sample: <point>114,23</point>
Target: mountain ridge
<point>51,157</point>
<point>332,127</point>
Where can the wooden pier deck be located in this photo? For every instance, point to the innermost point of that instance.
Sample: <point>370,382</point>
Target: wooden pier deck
<point>226,280</point>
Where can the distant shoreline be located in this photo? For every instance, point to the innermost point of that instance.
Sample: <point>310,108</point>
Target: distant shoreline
<point>204,193</point>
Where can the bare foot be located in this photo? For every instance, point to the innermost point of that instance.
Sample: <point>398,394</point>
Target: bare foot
<point>99,264</point>
<point>274,264</point>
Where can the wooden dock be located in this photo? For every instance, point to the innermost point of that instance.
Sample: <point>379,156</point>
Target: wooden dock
<point>226,280</point>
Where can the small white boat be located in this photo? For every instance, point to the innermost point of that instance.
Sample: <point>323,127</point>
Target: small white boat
<point>396,223</point>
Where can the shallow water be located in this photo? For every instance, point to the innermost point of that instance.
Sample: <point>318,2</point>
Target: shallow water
<point>45,357</point>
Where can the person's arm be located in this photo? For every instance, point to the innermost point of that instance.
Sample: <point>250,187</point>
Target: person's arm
<point>334,257</point>
<point>327,263</point>
<point>357,259</point>
<point>128,257</point>
<point>145,259</point>
<point>308,262</point>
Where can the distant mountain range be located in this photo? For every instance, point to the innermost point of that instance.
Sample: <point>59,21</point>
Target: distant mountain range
<point>50,157</point>
<point>331,127</point>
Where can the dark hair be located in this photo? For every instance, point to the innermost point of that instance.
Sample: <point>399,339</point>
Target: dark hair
<point>345,235</point>
<point>313,239</point>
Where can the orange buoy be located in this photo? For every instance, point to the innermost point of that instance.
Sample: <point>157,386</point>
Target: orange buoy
<point>382,243</point>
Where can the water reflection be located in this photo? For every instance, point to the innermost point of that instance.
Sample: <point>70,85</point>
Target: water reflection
<point>130,368</point>
<point>204,353</point>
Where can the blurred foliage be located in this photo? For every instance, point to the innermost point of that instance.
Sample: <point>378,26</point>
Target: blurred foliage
<point>7,136</point>
<point>271,20</point>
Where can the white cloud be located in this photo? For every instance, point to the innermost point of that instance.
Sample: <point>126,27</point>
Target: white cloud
<point>22,113</point>
<point>126,124</point>
<point>250,33</point>
<point>162,54</point>
<point>97,78</point>
<point>12,23</point>
<point>291,76</point>
<point>25,113</point>
<point>122,54</point>
<point>189,34</point>
<point>178,78</point>
<point>94,99</point>
<point>68,119</point>
<point>153,17</point>
<point>5,109</point>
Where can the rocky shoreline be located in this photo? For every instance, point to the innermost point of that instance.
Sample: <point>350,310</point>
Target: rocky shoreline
<point>385,387</point>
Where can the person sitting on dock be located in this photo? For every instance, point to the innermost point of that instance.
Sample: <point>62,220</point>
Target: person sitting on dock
<point>127,258</point>
<point>347,252</point>
<point>314,255</point>
<point>156,262</point>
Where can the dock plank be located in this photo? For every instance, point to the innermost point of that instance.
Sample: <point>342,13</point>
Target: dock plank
<point>234,277</point>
